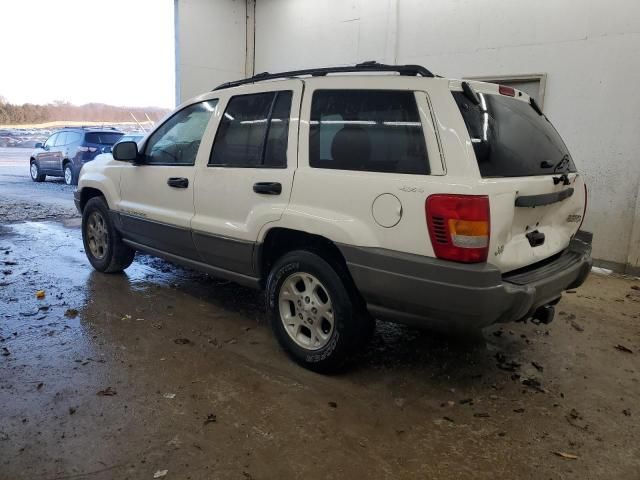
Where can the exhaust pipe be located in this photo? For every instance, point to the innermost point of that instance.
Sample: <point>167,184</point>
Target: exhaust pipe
<point>544,314</point>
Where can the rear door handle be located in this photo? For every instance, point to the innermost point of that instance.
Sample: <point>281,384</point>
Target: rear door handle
<point>268,188</point>
<point>178,182</point>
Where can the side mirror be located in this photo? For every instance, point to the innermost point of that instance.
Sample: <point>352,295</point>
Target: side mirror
<point>39,145</point>
<point>125,151</point>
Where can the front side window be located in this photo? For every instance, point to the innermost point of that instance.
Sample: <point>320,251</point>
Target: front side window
<point>254,131</point>
<point>177,141</point>
<point>367,130</point>
<point>51,140</point>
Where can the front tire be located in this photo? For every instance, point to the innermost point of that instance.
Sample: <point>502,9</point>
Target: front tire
<point>103,244</point>
<point>313,314</point>
<point>34,171</point>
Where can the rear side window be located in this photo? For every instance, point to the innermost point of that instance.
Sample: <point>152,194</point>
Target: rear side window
<point>367,130</point>
<point>102,138</point>
<point>510,139</point>
<point>253,131</point>
<point>73,137</point>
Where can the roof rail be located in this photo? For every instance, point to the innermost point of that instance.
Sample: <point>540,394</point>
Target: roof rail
<point>370,66</point>
<point>91,127</point>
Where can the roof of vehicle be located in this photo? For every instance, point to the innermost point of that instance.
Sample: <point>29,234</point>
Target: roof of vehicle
<point>89,128</point>
<point>365,67</point>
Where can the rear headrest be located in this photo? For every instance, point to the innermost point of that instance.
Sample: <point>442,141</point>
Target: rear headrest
<point>351,147</point>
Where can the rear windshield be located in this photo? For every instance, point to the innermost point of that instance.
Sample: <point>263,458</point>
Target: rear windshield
<point>103,138</point>
<point>511,139</point>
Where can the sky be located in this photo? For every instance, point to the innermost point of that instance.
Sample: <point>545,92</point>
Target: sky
<point>119,52</point>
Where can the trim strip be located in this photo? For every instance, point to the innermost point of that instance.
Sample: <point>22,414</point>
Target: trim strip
<point>242,279</point>
<point>544,199</point>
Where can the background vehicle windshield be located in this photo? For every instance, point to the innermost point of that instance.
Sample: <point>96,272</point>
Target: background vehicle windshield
<point>103,138</point>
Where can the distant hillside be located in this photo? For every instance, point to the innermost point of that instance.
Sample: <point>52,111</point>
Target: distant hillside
<point>11,114</point>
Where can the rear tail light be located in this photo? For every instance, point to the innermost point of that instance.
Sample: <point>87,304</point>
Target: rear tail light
<point>509,91</point>
<point>459,227</point>
<point>87,149</point>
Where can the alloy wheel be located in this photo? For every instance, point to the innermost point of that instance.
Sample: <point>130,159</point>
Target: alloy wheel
<point>306,311</point>
<point>97,235</point>
<point>68,176</point>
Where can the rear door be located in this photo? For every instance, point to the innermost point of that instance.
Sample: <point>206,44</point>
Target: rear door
<point>246,182</point>
<point>58,151</point>
<point>537,197</point>
<point>156,205</point>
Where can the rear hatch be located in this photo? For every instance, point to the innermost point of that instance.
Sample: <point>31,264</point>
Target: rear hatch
<point>96,143</point>
<point>537,197</point>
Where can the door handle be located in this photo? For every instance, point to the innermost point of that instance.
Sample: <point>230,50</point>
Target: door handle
<point>178,182</point>
<point>268,188</point>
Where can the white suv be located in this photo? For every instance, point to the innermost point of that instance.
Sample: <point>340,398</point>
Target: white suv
<point>348,194</point>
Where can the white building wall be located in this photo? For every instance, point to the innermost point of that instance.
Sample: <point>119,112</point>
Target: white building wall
<point>589,49</point>
<point>210,44</point>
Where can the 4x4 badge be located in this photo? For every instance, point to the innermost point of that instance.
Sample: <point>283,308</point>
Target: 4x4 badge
<point>409,189</point>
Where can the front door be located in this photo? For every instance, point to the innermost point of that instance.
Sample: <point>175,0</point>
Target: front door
<point>247,180</point>
<point>45,156</point>
<point>156,204</point>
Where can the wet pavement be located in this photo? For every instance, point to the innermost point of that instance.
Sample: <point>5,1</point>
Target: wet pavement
<point>162,368</point>
<point>23,199</point>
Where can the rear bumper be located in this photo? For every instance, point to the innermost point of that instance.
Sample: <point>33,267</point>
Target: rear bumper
<point>424,291</point>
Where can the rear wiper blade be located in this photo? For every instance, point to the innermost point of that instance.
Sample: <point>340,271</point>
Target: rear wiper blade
<point>470,93</point>
<point>535,106</point>
<point>563,161</point>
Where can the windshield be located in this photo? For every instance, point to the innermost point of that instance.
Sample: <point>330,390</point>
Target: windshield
<point>511,139</point>
<point>103,138</point>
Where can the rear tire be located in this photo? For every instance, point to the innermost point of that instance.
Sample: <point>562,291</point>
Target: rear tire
<point>313,314</point>
<point>103,244</point>
<point>34,171</point>
<point>69,176</point>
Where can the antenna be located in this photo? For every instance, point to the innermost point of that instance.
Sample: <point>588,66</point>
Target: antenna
<point>136,120</point>
<point>150,121</point>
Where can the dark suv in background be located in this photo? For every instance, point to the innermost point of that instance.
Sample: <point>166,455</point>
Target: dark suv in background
<point>64,152</point>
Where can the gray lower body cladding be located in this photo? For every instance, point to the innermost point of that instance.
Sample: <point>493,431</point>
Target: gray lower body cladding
<point>401,287</point>
<point>218,256</point>
<point>427,292</point>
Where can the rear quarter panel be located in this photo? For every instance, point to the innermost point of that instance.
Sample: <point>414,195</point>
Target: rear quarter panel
<point>338,204</point>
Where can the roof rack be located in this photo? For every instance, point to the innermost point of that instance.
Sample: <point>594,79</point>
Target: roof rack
<point>91,127</point>
<point>370,66</point>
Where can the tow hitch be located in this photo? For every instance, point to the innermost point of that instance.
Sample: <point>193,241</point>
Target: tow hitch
<point>544,314</point>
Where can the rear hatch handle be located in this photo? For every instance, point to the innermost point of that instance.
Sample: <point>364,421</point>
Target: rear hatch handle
<point>543,199</point>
